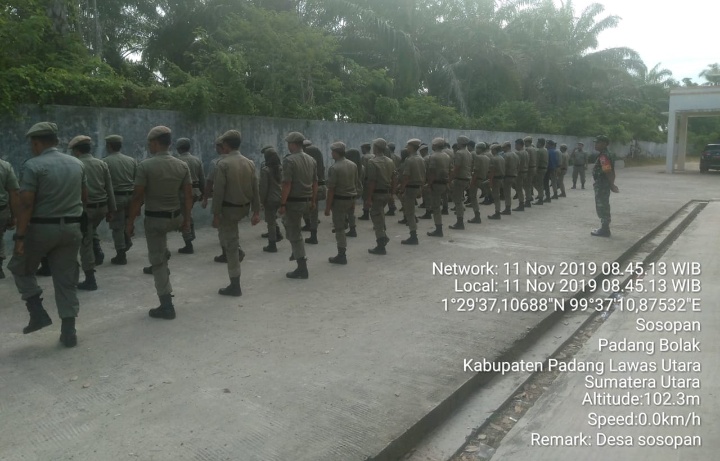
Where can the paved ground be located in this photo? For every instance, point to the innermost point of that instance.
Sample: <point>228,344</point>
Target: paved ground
<point>560,412</point>
<point>332,368</point>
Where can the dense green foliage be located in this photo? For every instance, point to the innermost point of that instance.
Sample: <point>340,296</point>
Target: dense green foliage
<point>514,65</point>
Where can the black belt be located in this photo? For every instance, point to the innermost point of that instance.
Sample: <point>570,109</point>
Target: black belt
<point>196,184</point>
<point>382,191</point>
<point>66,219</point>
<point>299,199</point>
<point>440,182</point>
<point>232,205</point>
<point>413,186</point>
<point>163,214</point>
<point>96,205</point>
<point>123,192</point>
<point>321,183</point>
<point>343,197</point>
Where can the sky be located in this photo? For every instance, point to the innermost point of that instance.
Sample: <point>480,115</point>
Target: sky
<point>683,36</point>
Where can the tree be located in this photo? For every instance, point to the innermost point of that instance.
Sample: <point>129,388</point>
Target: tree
<point>711,74</point>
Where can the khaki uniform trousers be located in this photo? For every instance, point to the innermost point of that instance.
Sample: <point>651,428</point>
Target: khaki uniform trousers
<point>156,230</point>
<point>561,180</point>
<point>294,212</point>
<point>228,230</point>
<point>408,201</point>
<point>271,210</point>
<point>539,182</point>
<point>4,220</point>
<point>95,217</point>
<point>119,221</point>
<point>529,182</point>
<point>578,170</point>
<point>458,195</point>
<point>508,184</point>
<point>497,184</point>
<point>341,208</point>
<point>520,187</point>
<point>377,214</point>
<point>436,198</point>
<point>473,193</point>
<point>312,216</point>
<point>60,243</point>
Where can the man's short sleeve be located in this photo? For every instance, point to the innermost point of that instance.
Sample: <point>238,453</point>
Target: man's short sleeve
<point>288,170</point>
<point>141,176</point>
<point>331,177</point>
<point>29,178</point>
<point>11,182</point>
<point>187,179</point>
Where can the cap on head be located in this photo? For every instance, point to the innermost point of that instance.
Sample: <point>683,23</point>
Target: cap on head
<point>414,142</point>
<point>338,147</point>
<point>365,145</point>
<point>438,143</point>
<point>183,144</point>
<point>463,140</point>
<point>380,143</point>
<point>157,132</point>
<point>423,147</point>
<point>114,138</point>
<point>563,145</point>
<point>550,142</point>
<point>519,142</point>
<point>602,138</point>
<point>268,150</point>
<point>295,137</point>
<point>307,143</point>
<point>42,129</point>
<point>581,144</point>
<point>218,141</point>
<point>391,146</point>
<point>481,146</point>
<point>79,140</point>
<point>507,144</point>
<point>528,139</point>
<point>494,147</point>
<point>231,135</point>
<point>268,147</point>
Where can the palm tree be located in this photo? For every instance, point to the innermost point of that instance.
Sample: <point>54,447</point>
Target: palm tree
<point>712,74</point>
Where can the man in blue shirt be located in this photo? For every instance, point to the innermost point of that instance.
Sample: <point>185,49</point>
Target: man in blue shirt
<point>551,173</point>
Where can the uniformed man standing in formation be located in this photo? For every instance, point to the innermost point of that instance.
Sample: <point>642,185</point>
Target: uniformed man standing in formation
<point>270,193</point>
<point>438,178</point>
<point>122,174</point>
<point>343,184</point>
<point>299,194</point>
<point>604,176</point>
<point>523,169</point>
<point>542,165</point>
<point>551,173</point>
<point>481,165</point>
<point>100,204</point>
<point>497,177</point>
<point>426,196</point>
<point>311,218</point>
<point>512,166</point>
<point>461,173</point>
<point>197,176</point>
<point>381,182</point>
<point>209,180</point>
<point>8,203</point>
<point>562,169</point>
<point>532,170</point>
<point>366,150</point>
<point>396,160</point>
<point>158,181</point>
<point>412,181</point>
<point>579,160</point>
<point>53,189</point>
<point>235,193</point>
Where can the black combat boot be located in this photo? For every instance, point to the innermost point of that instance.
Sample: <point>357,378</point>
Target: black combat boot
<point>573,186</point>
<point>494,216</point>
<point>365,216</point>
<point>422,205</point>
<point>292,257</point>
<point>313,237</point>
<point>221,258</point>
<point>166,310</point>
<point>278,235</point>
<point>488,201</point>
<point>340,258</point>
<point>44,270</point>
<point>120,259</point>
<point>301,272</point>
<point>39,318</point>
<point>539,201</point>
<point>583,186</point>
<point>562,194</point>
<point>187,249</point>
<point>233,289</point>
<point>603,231</point>
<point>306,227</point>
<point>555,196</point>
<point>403,221</point>
<point>427,215</point>
<point>445,211</point>
<point>390,212</point>
<point>380,248</point>
<point>412,240</point>
<point>437,232</point>
<point>68,335</point>
<point>147,270</point>
<point>128,242</point>
<point>270,248</point>
<point>265,235</point>
<point>506,212</point>
<point>476,220</point>
<point>90,284</point>
<point>351,233</point>
<point>99,255</point>
<point>528,203</point>
<point>459,225</point>
<point>520,207</point>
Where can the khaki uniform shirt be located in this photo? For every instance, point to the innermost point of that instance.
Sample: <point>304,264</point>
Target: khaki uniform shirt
<point>211,169</point>
<point>163,177</point>
<point>463,160</point>
<point>564,160</point>
<point>99,183</point>
<point>396,160</point>
<point>8,182</point>
<point>497,166</point>
<point>197,175</point>
<point>364,161</point>
<point>532,157</point>
<point>270,188</point>
<point>122,171</point>
<point>344,178</point>
<point>315,153</point>
<point>414,170</point>
<point>439,167</point>
<point>381,169</point>
<point>512,164</point>
<point>301,171</point>
<point>524,161</point>
<point>579,158</point>
<point>481,165</point>
<point>235,183</point>
<point>542,158</point>
<point>57,180</point>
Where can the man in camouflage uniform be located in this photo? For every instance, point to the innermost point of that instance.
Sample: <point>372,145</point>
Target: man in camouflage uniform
<point>312,215</point>
<point>235,194</point>
<point>8,203</point>
<point>438,178</point>
<point>579,160</point>
<point>523,169</point>
<point>604,176</point>
<point>461,174</point>
<point>542,165</point>
<point>100,204</point>
<point>412,181</point>
<point>197,176</point>
<point>481,165</point>
<point>122,173</point>
<point>497,177</point>
<point>343,184</point>
<point>562,170</point>
<point>381,181</point>
<point>49,211</point>
<point>532,170</point>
